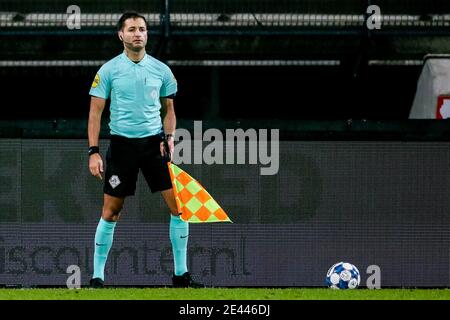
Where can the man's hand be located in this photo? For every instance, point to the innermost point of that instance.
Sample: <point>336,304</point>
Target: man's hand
<point>96,165</point>
<point>166,147</point>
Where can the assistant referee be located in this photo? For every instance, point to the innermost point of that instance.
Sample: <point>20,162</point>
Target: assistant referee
<point>139,87</point>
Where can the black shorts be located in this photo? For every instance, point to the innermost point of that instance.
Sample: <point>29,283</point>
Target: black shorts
<point>126,156</point>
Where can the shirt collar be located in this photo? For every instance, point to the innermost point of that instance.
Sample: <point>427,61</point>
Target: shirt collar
<point>140,63</point>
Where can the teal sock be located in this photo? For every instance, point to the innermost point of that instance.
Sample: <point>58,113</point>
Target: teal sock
<point>178,234</point>
<point>103,243</point>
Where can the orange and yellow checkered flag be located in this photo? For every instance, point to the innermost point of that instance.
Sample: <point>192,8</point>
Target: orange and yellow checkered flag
<point>193,201</point>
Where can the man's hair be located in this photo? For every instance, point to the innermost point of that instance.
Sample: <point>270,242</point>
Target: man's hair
<point>129,15</point>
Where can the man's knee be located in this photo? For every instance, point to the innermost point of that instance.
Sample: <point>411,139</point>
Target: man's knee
<point>111,208</point>
<point>170,201</point>
<point>109,214</point>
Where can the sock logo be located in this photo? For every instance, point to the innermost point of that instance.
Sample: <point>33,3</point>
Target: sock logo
<point>100,244</point>
<point>114,181</point>
<point>183,237</point>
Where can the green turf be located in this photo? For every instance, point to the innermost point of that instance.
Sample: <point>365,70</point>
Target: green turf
<point>224,294</point>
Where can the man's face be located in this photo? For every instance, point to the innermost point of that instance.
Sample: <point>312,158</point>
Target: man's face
<point>134,34</point>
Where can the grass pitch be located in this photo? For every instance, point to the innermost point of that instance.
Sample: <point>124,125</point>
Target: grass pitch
<point>223,294</point>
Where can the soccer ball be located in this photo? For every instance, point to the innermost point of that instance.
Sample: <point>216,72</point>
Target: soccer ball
<point>343,275</point>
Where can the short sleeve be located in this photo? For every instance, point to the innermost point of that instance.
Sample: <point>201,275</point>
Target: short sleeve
<point>101,86</point>
<point>169,85</point>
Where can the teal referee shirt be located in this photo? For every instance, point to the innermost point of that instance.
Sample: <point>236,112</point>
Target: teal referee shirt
<point>135,89</point>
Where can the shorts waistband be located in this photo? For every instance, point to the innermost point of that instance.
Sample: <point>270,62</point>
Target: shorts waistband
<point>155,138</point>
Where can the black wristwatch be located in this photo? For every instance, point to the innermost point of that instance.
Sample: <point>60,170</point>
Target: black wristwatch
<point>93,150</point>
<point>169,135</point>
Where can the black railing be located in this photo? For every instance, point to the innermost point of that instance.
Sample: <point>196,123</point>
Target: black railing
<point>236,17</point>
<point>289,130</point>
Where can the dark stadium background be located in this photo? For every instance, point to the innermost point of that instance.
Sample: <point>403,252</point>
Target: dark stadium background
<point>358,181</point>
<point>351,90</point>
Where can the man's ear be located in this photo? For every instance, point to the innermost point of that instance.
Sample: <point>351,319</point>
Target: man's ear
<point>120,33</point>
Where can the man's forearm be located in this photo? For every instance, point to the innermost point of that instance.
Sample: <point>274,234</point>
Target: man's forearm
<point>94,122</point>
<point>94,129</point>
<point>170,122</point>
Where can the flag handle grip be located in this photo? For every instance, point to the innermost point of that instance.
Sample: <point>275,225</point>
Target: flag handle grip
<point>166,155</point>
